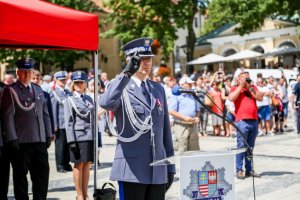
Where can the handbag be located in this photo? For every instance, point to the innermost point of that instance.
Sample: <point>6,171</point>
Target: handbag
<point>275,101</point>
<point>105,193</point>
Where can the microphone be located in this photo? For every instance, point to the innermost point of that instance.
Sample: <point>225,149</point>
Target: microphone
<point>176,90</point>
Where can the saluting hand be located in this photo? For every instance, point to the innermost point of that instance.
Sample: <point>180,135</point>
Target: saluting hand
<point>133,65</point>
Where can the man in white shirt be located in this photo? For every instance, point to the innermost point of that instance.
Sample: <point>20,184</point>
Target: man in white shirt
<point>264,109</point>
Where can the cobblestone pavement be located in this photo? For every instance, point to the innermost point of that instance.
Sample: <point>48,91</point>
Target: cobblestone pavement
<point>276,158</point>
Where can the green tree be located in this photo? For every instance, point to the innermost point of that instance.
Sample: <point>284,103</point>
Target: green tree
<point>148,18</point>
<point>154,18</point>
<point>250,13</point>
<point>63,59</point>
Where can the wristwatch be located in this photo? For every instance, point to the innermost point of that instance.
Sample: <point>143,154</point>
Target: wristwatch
<point>251,89</point>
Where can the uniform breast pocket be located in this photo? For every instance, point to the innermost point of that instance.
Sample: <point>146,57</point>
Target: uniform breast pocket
<point>139,110</point>
<point>126,164</point>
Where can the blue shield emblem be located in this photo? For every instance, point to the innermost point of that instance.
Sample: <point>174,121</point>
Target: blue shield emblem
<point>207,183</point>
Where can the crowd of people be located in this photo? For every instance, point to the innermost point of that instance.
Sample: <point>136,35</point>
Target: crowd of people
<point>272,109</point>
<point>64,106</point>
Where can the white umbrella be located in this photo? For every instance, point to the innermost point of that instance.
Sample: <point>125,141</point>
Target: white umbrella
<point>209,58</point>
<point>246,54</point>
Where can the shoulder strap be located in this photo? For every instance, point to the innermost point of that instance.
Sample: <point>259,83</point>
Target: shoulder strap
<point>73,115</point>
<point>57,97</point>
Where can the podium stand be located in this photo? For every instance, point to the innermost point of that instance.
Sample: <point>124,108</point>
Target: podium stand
<point>205,175</point>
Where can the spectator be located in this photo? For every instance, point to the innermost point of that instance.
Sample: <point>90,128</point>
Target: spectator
<point>277,108</point>
<point>296,102</point>
<point>285,99</point>
<point>228,105</point>
<point>244,96</point>
<point>104,78</point>
<point>91,74</point>
<point>217,107</point>
<point>186,112</point>
<point>46,83</point>
<point>200,85</point>
<point>36,78</point>
<point>101,113</point>
<point>8,79</point>
<point>264,108</point>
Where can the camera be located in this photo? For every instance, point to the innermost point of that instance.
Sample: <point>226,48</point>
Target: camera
<point>248,80</point>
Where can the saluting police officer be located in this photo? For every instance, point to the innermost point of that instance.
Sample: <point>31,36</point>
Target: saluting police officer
<point>58,95</point>
<point>27,132</point>
<point>79,112</point>
<point>143,127</point>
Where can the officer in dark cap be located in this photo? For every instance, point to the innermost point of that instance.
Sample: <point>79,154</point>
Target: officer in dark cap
<point>27,132</point>
<point>4,159</point>
<point>58,95</point>
<point>143,128</point>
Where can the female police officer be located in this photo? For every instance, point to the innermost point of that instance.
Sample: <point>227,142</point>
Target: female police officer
<point>78,121</point>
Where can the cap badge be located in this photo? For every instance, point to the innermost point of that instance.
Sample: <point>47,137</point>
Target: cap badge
<point>147,42</point>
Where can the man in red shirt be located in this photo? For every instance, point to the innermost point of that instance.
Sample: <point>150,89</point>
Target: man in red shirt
<point>244,96</point>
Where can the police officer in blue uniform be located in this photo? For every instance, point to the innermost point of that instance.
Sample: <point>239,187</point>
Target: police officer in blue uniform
<point>79,112</point>
<point>27,132</point>
<point>143,127</point>
<point>58,95</point>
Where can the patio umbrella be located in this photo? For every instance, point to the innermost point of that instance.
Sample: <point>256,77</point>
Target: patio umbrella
<point>209,58</point>
<point>280,51</point>
<point>245,54</point>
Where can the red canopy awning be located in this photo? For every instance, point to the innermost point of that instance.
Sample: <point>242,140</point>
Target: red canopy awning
<point>39,24</point>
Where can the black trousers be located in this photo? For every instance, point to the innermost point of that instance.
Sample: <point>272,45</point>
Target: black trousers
<point>137,191</point>
<point>4,173</point>
<point>32,157</point>
<point>62,151</point>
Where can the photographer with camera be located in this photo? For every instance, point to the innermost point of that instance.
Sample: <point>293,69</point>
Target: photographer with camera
<point>296,102</point>
<point>244,96</point>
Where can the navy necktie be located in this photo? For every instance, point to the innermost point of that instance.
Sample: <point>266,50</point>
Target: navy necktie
<point>145,92</point>
<point>30,90</point>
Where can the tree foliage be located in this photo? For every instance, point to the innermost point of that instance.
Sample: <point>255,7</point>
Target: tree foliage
<point>151,18</point>
<point>63,59</point>
<point>250,13</point>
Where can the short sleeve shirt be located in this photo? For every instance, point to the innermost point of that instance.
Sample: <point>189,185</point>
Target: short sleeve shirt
<point>184,104</point>
<point>245,105</point>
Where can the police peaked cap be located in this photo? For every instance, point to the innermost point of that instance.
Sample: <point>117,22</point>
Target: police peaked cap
<point>26,64</point>
<point>60,75</point>
<point>141,45</point>
<point>79,76</point>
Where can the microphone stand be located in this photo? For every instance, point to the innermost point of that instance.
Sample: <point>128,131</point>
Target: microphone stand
<point>249,152</point>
